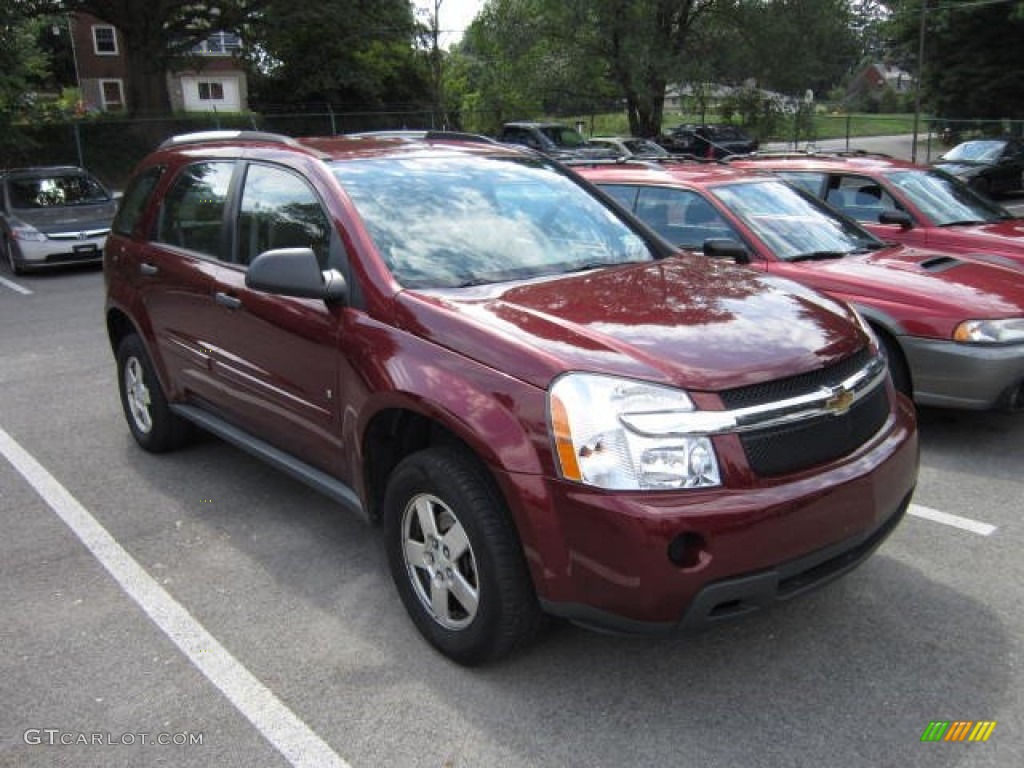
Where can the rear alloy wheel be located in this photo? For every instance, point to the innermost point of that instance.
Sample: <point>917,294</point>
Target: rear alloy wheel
<point>456,559</point>
<point>153,425</point>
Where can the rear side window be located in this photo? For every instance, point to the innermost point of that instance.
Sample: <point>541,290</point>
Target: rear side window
<point>134,201</point>
<point>192,213</point>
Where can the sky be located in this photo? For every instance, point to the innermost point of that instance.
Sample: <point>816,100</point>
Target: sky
<point>455,16</point>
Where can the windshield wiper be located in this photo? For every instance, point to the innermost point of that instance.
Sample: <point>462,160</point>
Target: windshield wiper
<point>819,255</point>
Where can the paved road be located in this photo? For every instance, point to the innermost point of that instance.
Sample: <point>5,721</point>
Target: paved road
<point>308,658</point>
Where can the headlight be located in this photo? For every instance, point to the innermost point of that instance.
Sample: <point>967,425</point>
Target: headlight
<point>990,331</point>
<point>621,434</point>
<point>28,234</point>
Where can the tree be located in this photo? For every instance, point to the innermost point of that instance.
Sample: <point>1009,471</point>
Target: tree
<point>971,56</point>
<point>361,54</point>
<point>21,64</point>
<point>158,35</point>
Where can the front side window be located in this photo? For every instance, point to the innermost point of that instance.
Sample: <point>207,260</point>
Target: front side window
<point>193,210</point>
<point>859,197</point>
<point>280,210</point>
<point>104,40</point>
<point>453,222</point>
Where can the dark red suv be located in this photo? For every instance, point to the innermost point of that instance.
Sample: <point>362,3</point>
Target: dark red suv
<point>546,408</point>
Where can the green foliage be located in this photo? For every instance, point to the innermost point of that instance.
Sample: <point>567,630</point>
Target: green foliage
<point>971,56</point>
<point>355,54</point>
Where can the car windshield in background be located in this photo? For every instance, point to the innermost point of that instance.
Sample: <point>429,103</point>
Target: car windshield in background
<point>975,152</point>
<point>30,191</point>
<point>443,224</point>
<point>946,200</point>
<point>563,136</point>
<point>645,147</point>
<point>791,223</point>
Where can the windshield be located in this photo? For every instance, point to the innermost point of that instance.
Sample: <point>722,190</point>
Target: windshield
<point>58,189</point>
<point>946,200</point>
<point>791,223</point>
<point>975,152</point>
<point>446,222</point>
<point>563,136</point>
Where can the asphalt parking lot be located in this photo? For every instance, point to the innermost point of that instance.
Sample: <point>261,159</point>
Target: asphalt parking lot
<point>199,609</point>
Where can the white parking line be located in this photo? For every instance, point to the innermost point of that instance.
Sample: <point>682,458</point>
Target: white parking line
<point>279,725</point>
<point>964,523</point>
<point>15,287</point>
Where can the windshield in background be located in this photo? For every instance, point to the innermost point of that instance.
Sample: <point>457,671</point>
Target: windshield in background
<point>444,223</point>
<point>975,152</point>
<point>791,223</point>
<point>945,200</point>
<point>54,190</point>
<point>563,136</point>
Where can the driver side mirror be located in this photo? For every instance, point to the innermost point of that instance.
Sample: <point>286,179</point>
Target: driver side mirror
<point>718,248</point>
<point>900,218</point>
<point>295,272</point>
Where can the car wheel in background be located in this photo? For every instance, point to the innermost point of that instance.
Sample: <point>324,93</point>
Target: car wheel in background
<point>153,425</point>
<point>455,557</point>
<point>12,263</point>
<point>898,369</point>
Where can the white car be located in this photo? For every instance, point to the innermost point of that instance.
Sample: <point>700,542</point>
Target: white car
<point>630,147</point>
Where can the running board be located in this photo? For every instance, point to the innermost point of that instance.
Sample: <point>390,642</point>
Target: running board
<point>315,478</point>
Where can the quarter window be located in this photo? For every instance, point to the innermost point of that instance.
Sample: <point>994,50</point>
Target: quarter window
<point>280,210</point>
<point>134,201</point>
<point>193,210</point>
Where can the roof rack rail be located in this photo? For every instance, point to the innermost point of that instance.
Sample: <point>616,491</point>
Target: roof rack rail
<point>784,153</point>
<point>199,137</point>
<point>424,134</point>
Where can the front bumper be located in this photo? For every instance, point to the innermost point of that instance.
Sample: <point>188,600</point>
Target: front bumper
<point>949,374</point>
<point>655,563</point>
<point>54,252</point>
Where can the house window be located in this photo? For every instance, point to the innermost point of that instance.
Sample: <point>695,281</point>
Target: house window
<point>219,44</point>
<point>104,40</point>
<point>112,92</point>
<point>211,91</point>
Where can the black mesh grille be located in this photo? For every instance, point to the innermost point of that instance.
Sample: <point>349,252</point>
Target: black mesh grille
<point>781,389</point>
<point>793,447</point>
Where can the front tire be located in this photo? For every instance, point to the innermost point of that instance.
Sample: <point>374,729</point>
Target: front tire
<point>898,369</point>
<point>12,263</point>
<point>153,425</point>
<point>456,559</point>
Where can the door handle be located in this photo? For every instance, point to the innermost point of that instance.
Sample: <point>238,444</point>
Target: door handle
<point>147,269</point>
<point>226,300</point>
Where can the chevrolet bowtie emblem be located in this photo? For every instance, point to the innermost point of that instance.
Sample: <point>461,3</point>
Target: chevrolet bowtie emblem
<point>839,401</point>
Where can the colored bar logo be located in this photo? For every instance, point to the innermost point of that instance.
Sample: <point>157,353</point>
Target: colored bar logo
<point>958,730</point>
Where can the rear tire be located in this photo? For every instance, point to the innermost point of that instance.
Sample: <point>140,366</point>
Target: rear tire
<point>456,559</point>
<point>153,424</point>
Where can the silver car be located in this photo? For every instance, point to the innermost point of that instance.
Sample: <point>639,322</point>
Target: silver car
<point>53,215</point>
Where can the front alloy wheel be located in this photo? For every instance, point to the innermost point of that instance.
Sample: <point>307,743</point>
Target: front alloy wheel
<point>440,562</point>
<point>456,558</point>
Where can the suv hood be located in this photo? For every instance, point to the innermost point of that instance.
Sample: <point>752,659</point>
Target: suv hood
<point>685,321</point>
<point>942,283</point>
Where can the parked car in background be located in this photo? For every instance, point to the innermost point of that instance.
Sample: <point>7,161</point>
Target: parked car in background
<point>630,146</point>
<point>952,329</point>
<point>900,201</point>
<point>543,407</point>
<point>552,139</point>
<point>991,166</point>
<point>51,216</point>
<point>710,140</point>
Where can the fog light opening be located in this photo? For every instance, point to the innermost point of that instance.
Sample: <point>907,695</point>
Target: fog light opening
<point>687,550</point>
